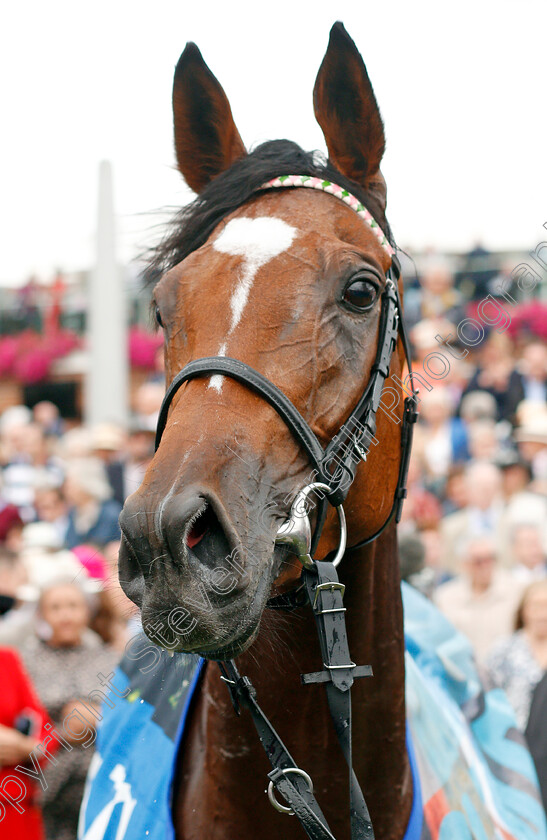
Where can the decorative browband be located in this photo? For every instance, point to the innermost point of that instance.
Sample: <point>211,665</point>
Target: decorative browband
<point>337,191</point>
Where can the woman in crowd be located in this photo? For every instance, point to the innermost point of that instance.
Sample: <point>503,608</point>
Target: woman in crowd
<point>445,437</point>
<point>22,720</point>
<point>518,663</point>
<point>65,664</point>
<point>93,514</point>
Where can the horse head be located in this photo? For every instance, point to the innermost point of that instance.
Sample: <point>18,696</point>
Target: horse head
<point>289,282</point>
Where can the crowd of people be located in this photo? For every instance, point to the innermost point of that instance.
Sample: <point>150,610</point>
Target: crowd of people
<point>472,538</point>
<point>474,528</point>
<point>64,619</point>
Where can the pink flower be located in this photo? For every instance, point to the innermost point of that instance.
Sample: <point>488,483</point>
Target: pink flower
<point>8,354</point>
<point>60,343</point>
<point>28,356</point>
<point>529,318</point>
<point>33,366</point>
<point>143,347</point>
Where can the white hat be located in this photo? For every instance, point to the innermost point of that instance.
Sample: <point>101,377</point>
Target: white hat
<point>90,475</point>
<point>16,415</point>
<point>41,535</point>
<point>533,430</point>
<point>43,567</point>
<point>107,436</point>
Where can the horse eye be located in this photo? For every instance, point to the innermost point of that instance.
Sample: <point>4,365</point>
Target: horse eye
<point>158,318</point>
<point>361,293</point>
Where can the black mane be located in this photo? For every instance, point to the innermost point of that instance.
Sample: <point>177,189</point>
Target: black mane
<point>193,224</point>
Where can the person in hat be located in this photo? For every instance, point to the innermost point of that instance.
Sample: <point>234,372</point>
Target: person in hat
<point>126,459</point>
<point>44,556</point>
<point>531,439</point>
<point>107,445</point>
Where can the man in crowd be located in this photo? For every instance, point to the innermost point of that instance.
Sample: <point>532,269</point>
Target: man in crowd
<point>483,515</point>
<point>482,600</point>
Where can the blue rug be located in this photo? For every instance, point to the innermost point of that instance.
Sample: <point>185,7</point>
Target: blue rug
<point>473,776</point>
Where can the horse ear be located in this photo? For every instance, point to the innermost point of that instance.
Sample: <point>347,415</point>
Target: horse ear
<point>206,139</point>
<point>346,109</point>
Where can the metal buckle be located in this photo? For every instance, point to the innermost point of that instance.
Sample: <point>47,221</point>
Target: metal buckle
<point>332,586</point>
<point>271,796</point>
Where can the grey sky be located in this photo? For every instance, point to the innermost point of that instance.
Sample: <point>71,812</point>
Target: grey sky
<point>462,89</point>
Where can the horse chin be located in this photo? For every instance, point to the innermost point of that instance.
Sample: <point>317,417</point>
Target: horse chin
<point>223,635</point>
<point>233,649</point>
<point>182,613</point>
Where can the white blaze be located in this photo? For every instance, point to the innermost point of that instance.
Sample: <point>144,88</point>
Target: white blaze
<point>258,241</point>
<point>216,380</point>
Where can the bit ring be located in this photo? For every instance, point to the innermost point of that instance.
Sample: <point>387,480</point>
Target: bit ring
<point>283,809</point>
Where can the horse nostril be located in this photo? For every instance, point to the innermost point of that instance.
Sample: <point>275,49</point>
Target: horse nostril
<point>203,536</point>
<point>203,521</point>
<point>186,530</point>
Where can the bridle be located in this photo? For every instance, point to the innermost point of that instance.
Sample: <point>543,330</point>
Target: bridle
<point>334,471</point>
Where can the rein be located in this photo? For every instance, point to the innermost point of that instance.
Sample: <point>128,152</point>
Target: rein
<point>335,468</point>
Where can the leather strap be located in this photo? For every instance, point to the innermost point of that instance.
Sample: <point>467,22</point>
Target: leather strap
<point>352,443</point>
<point>251,378</point>
<point>293,786</point>
<point>325,593</point>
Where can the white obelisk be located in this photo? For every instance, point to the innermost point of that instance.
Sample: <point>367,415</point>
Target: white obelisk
<point>106,392</point>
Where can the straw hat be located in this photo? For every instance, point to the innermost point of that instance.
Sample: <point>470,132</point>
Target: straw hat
<point>44,566</point>
<point>42,536</point>
<point>533,430</point>
<point>91,476</point>
<point>107,436</point>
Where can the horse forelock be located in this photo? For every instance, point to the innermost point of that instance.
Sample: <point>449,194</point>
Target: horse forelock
<point>193,224</point>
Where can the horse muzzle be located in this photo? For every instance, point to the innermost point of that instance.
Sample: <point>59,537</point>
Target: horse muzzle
<point>199,589</point>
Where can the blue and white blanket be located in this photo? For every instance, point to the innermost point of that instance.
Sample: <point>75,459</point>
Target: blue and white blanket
<point>473,776</point>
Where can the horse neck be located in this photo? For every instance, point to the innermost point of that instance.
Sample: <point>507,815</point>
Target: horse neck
<point>375,631</point>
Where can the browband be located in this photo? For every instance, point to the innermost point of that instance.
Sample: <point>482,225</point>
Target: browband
<point>338,192</point>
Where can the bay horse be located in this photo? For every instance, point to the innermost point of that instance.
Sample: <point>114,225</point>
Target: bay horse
<point>291,284</point>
